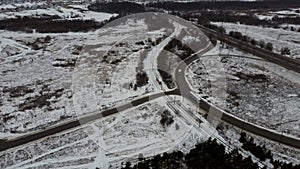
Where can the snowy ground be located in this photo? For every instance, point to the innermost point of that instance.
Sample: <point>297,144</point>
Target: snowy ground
<point>45,81</point>
<point>71,12</point>
<point>21,5</point>
<point>40,80</point>
<point>106,143</point>
<point>49,78</point>
<point>279,37</point>
<point>268,15</point>
<point>279,151</point>
<point>257,91</point>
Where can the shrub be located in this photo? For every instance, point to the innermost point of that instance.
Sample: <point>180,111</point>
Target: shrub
<point>269,46</point>
<point>236,35</point>
<point>166,118</point>
<point>262,44</point>
<point>253,42</point>
<point>141,79</point>
<point>285,51</point>
<point>47,39</point>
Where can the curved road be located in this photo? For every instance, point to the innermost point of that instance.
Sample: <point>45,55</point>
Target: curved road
<point>182,89</point>
<point>185,90</point>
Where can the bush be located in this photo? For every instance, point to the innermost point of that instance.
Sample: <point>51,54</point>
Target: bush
<point>269,46</point>
<point>253,42</point>
<point>246,38</point>
<point>236,35</point>
<point>293,28</point>
<point>141,79</point>
<point>166,118</point>
<point>243,137</point>
<point>285,51</point>
<point>47,39</point>
<point>262,44</point>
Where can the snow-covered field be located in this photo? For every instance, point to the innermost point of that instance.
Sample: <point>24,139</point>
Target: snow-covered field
<point>22,5</point>
<point>279,151</point>
<point>257,91</point>
<point>268,15</point>
<point>106,143</point>
<point>47,79</point>
<point>41,79</point>
<point>72,12</point>
<point>279,37</point>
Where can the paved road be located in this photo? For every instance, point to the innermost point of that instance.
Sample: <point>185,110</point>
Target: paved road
<point>4,144</point>
<point>286,62</point>
<point>227,117</point>
<point>184,90</point>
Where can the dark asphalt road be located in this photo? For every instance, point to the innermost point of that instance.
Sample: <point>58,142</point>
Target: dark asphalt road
<point>227,117</point>
<point>4,145</point>
<point>283,61</point>
<point>184,90</point>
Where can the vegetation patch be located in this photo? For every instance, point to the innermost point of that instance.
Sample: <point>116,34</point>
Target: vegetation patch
<point>166,118</point>
<point>64,63</point>
<point>48,25</point>
<point>163,64</point>
<point>225,5</point>
<point>258,151</point>
<point>177,47</point>
<point>40,101</point>
<point>18,91</point>
<point>209,155</point>
<point>141,79</point>
<point>117,7</point>
<point>252,77</point>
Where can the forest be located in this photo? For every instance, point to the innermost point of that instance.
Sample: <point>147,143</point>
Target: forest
<point>225,5</point>
<point>51,24</point>
<point>208,155</point>
<point>117,7</point>
<point>205,16</point>
<point>48,25</point>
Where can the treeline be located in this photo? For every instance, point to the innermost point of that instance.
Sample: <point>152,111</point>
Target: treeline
<point>52,24</point>
<point>209,154</point>
<point>258,151</point>
<point>262,44</point>
<point>204,17</point>
<point>225,5</point>
<point>48,25</point>
<point>247,39</point>
<point>207,16</point>
<point>290,20</point>
<point>262,153</point>
<point>117,7</point>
